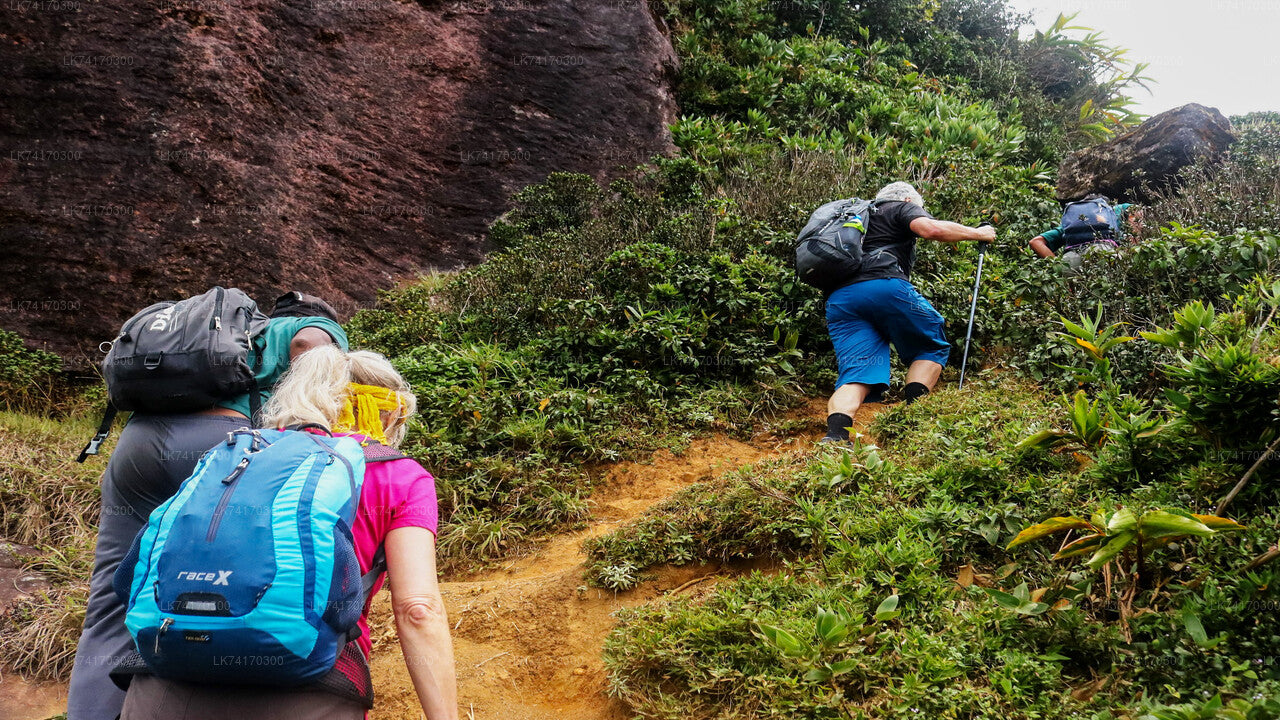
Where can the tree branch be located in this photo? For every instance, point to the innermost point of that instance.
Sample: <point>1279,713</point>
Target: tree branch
<point>1247,476</point>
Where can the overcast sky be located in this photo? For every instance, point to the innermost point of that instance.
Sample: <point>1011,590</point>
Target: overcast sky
<point>1220,53</point>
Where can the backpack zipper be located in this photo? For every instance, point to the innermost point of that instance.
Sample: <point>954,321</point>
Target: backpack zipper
<point>230,482</point>
<point>215,323</point>
<point>164,626</point>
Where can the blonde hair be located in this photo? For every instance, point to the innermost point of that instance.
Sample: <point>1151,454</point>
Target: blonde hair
<point>316,389</point>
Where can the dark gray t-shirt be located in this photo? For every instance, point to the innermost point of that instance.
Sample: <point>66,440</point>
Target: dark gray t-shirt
<point>891,229</point>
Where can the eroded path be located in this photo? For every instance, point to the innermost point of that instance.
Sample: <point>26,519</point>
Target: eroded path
<point>528,636</point>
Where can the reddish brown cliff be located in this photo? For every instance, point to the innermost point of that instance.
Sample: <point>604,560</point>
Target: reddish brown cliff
<point>153,148</point>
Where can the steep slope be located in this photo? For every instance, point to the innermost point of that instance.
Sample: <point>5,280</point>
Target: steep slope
<point>528,635</point>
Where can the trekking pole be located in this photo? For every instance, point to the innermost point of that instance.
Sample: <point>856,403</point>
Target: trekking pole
<point>973,308</point>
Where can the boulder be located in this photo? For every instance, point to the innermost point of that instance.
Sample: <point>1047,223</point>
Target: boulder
<point>151,149</point>
<point>1151,154</point>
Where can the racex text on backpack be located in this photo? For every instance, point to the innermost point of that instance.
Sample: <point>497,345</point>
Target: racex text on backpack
<point>249,574</point>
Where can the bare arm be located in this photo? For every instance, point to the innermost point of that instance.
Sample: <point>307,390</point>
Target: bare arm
<point>421,620</point>
<point>1040,247</point>
<point>307,338</point>
<point>946,231</point>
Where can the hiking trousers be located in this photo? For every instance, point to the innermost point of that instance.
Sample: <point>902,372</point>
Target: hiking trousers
<point>154,455</point>
<point>151,698</point>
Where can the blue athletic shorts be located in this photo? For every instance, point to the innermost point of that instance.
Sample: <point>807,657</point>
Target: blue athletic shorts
<point>864,318</point>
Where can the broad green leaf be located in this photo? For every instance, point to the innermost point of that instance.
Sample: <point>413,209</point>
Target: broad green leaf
<point>1048,527</point>
<point>786,642</point>
<point>1022,592</point>
<point>832,628</point>
<point>818,675</point>
<point>1177,399</point>
<point>1122,519</point>
<point>1075,329</point>
<point>844,666</point>
<point>1191,621</point>
<point>1002,598</point>
<point>1158,523</point>
<point>1114,547</point>
<point>888,609</point>
<point>1014,603</point>
<point>1043,439</point>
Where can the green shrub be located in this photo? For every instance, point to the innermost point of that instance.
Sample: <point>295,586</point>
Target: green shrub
<point>24,371</point>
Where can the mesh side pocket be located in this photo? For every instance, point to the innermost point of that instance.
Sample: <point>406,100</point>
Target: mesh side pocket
<point>344,604</point>
<point>349,677</point>
<point>122,579</point>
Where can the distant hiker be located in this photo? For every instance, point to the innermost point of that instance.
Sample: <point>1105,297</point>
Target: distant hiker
<point>393,532</point>
<point>870,300</point>
<point>1088,225</point>
<point>161,444</point>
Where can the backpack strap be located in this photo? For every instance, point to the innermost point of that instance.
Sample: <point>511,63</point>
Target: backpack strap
<point>376,569</point>
<point>375,451</point>
<point>104,430</point>
<point>255,393</point>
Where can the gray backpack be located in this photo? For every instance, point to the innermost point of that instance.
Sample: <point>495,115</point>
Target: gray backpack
<point>183,356</point>
<point>829,250</point>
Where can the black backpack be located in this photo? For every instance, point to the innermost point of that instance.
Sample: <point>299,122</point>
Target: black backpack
<point>829,250</point>
<point>1089,221</point>
<point>182,356</point>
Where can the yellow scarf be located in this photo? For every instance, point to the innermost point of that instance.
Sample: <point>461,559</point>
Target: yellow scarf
<point>362,410</point>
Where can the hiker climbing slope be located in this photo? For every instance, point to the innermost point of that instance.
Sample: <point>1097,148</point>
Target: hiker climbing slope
<point>1087,225</point>
<point>871,303</point>
<point>157,450</point>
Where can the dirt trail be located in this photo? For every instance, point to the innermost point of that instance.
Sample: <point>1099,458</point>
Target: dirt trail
<point>528,637</point>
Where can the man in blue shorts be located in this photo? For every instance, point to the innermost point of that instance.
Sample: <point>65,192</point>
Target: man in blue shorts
<point>879,307</point>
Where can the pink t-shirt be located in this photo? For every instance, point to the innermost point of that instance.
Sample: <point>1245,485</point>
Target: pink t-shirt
<point>395,494</point>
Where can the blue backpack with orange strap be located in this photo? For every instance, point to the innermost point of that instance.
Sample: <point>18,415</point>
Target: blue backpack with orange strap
<point>249,573</point>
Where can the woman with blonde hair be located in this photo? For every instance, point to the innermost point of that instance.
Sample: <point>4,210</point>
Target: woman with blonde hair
<point>359,394</point>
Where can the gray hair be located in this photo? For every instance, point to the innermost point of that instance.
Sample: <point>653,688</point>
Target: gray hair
<point>900,191</point>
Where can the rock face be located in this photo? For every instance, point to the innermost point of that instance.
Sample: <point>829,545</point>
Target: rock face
<point>1152,153</point>
<point>151,149</point>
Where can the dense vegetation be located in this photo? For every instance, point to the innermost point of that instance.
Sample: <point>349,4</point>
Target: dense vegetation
<point>616,319</point>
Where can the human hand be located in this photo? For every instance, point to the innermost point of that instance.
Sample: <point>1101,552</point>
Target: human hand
<point>986,232</point>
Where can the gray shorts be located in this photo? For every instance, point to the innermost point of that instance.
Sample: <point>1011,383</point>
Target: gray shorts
<point>151,698</point>
<point>154,455</point>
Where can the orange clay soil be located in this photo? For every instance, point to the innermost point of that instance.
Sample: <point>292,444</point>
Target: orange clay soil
<point>528,636</point>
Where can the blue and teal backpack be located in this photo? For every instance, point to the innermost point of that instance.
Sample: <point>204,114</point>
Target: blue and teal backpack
<point>249,574</point>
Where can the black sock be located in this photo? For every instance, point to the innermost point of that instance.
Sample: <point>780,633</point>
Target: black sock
<point>914,391</point>
<point>838,425</point>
